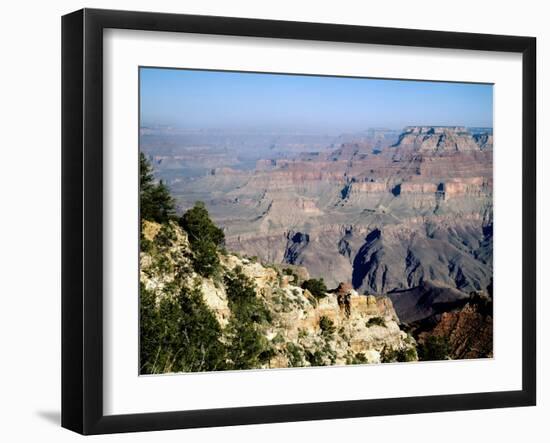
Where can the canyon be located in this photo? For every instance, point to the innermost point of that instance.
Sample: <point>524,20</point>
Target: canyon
<point>407,214</point>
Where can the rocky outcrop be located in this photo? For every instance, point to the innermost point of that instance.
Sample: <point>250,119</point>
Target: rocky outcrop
<point>467,330</point>
<point>340,327</point>
<point>437,139</point>
<point>484,140</point>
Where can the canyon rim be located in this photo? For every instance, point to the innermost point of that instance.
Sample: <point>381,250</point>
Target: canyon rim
<point>294,221</point>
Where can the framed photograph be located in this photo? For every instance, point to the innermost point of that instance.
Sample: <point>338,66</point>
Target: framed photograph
<point>269,221</point>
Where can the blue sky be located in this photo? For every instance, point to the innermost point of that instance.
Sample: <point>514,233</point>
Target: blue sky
<point>194,99</point>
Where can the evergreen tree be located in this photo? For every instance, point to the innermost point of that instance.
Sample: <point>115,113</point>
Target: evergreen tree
<point>179,335</point>
<point>197,223</point>
<point>248,347</point>
<point>205,238</point>
<point>317,287</point>
<point>434,348</point>
<point>156,203</point>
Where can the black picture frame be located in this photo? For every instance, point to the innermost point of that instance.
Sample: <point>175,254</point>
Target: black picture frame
<point>82,215</point>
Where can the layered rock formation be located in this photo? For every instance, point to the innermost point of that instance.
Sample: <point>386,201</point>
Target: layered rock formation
<point>416,210</point>
<point>431,139</point>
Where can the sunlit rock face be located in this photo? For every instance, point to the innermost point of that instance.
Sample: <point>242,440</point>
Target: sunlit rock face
<point>363,328</point>
<point>437,139</point>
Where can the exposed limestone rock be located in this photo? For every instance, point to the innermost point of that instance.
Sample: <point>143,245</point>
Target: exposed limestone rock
<point>159,271</point>
<point>150,230</point>
<point>216,299</point>
<point>299,324</point>
<point>357,328</point>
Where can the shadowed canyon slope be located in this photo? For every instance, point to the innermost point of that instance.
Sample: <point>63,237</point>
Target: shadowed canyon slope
<point>386,213</point>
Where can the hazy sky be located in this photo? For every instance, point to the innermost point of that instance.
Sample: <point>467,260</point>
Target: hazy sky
<point>193,99</point>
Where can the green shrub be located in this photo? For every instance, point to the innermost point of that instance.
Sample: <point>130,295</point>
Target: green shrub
<point>291,273</point>
<point>198,225</point>
<point>359,359</point>
<point>329,353</point>
<point>317,287</point>
<point>163,264</point>
<point>434,348</point>
<point>375,321</point>
<point>178,334</point>
<point>282,299</point>
<point>390,355</point>
<point>248,347</point>
<point>315,358</point>
<point>145,245</point>
<point>165,236</point>
<point>205,258</point>
<point>294,355</point>
<point>204,237</point>
<point>241,295</point>
<point>278,339</point>
<point>327,326</point>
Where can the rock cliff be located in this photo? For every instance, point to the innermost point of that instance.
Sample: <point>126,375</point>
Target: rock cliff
<point>437,139</point>
<point>339,327</point>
